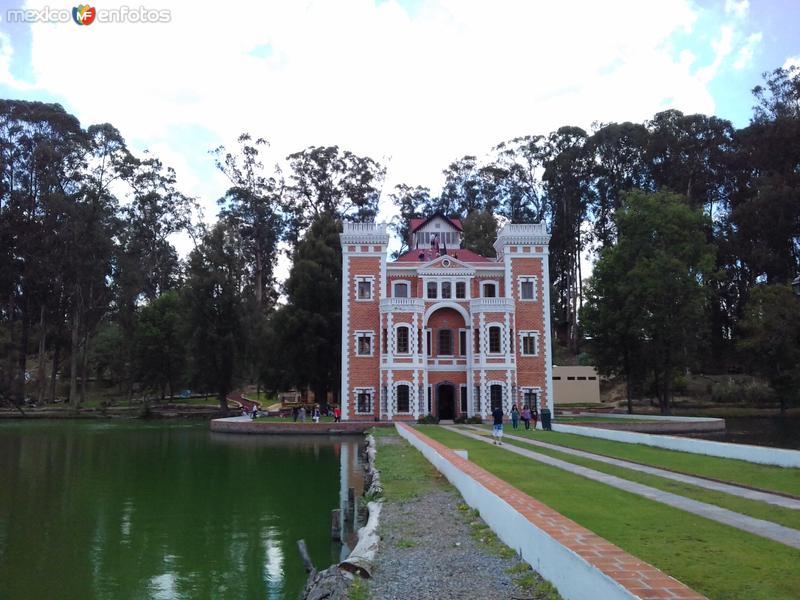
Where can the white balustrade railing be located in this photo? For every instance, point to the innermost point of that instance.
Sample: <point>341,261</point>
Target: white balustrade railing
<point>380,228</point>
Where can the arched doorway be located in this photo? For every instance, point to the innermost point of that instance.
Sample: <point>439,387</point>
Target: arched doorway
<point>446,401</point>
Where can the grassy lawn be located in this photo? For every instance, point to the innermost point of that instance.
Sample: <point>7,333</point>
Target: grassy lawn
<point>759,510</point>
<point>405,473</point>
<point>714,559</point>
<point>766,477</point>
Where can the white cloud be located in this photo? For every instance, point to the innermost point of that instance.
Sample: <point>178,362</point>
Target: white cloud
<point>792,61</point>
<point>452,78</point>
<point>745,54</point>
<point>722,46</point>
<point>737,9</point>
<point>6,55</point>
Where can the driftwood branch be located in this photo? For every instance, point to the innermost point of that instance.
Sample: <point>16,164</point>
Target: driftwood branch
<point>310,569</point>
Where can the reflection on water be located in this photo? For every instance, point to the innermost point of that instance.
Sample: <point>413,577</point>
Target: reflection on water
<point>106,510</point>
<point>778,432</point>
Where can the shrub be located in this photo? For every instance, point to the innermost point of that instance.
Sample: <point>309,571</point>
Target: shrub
<point>428,420</point>
<point>754,392</point>
<point>475,420</point>
<point>460,420</point>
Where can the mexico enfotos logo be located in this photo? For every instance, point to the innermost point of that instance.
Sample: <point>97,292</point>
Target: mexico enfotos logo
<point>85,14</point>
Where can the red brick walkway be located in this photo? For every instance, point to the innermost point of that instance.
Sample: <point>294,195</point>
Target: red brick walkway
<point>638,577</point>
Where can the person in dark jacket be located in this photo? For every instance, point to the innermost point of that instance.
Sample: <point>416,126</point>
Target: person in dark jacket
<point>497,415</point>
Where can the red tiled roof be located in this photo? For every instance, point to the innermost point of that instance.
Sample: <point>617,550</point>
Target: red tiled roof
<point>417,223</point>
<point>467,256</point>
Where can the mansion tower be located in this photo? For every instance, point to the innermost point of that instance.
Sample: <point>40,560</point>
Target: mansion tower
<point>442,330</point>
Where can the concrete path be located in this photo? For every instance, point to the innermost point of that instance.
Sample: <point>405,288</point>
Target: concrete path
<point>765,529</point>
<point>708,484</point>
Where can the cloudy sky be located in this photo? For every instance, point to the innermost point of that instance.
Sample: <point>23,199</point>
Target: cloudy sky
<point>413,83</point>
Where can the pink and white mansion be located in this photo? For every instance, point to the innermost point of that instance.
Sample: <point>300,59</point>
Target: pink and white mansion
<point>442,330</point>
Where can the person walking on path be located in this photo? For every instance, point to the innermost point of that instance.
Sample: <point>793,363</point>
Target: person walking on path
<point>337,415</point>
<point>526,416</point>
<point>301,414</point>
<point>515,417</point>
<point>255,411</point>
<point>497,432</point>
<point>535,416</point>
<point>294,414</point>
<point>315,414</point>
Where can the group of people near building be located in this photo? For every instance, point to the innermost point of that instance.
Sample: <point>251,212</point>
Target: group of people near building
<point>527,415</point>
<point>300,413</point>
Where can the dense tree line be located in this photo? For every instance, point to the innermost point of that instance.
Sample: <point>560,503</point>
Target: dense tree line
<point>689,219</point>
<point>93,287</point>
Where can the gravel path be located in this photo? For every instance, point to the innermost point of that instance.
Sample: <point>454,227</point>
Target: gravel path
<point>428,552</point>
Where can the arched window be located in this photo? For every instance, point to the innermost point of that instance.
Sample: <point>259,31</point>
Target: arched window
<point>496,396</point>
<point>402,340</point>
<point>403,395</point>
<point>495,339</point>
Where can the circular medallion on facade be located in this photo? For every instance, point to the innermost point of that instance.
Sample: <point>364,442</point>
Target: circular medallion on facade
<point>446,262</point>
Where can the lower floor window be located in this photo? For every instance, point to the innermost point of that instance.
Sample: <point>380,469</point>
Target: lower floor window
<point>496,396</point>
<point>530,398</point>
<point>464,399</point>
<point>364,401</point>
<point>403,405</point>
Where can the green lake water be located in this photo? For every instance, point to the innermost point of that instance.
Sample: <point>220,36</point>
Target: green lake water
<point>136,511</point>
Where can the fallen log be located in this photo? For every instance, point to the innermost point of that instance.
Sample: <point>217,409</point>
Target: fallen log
<point>362,558</point>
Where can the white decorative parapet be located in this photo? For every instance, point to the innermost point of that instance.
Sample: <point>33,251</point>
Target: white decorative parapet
<point>402,304</point>
<point>756,454</point>
<point>365,233</point>
<point>515,234</point>
<point>491,305</point>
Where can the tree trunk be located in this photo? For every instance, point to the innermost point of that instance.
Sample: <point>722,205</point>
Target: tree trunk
<point>84,366</point>
<point>41,377</point>
<point>666,398</point>
<point>54,374</point>
<point>23,353</point>
<point>9,382</point>
<point>259,275</point>
<point>627,366</point>
<point>73,359</point>
<point>223,402</point>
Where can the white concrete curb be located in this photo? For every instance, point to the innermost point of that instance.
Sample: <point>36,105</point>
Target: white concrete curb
<point>574,578</point>
<point>755,454</point>
<point>623,416</point>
